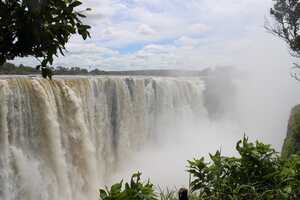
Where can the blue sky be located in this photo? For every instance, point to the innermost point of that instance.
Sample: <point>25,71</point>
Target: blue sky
<point>190,34</point>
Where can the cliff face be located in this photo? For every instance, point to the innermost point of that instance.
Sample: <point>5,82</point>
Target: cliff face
<point>292,141</point>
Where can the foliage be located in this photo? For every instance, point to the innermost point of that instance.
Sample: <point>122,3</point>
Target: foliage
<point>290,177</point>
<point>47,72</point>
<point>292,141</point>
<point>286,15</point>
<point>259,173</point>
<point>135,190</point>
<point>168,194</point>
<point>39,28</point>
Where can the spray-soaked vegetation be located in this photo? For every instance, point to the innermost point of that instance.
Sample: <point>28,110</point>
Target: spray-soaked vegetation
<point>133,190</point>
<point>292,141</point>
<point>257,173</point>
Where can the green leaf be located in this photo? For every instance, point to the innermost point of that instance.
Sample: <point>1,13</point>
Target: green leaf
<point>75,4</point>
<point>103,194</point>
<point>116,188</point>
<point>81,15</point>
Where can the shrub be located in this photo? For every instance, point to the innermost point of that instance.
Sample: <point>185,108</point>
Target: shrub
<point>135,190</point>
<point>259,173</point>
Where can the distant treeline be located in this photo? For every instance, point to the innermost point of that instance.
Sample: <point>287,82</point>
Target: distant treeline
<point>9,68</point>
<point>12,69</point>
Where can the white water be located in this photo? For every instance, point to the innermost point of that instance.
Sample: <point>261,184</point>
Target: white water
<point>64,139</point>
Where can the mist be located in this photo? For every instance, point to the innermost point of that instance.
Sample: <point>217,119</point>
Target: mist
<point>259,108</point>
<point>264,94</point>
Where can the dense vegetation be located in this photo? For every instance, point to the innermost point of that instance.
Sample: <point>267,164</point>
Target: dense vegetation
<point>258,173</point>
<point>292,141</point>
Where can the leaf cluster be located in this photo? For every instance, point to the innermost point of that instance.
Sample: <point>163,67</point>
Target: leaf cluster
<point>259,173</point>
<point>135,190</point>
<point>39,28</point>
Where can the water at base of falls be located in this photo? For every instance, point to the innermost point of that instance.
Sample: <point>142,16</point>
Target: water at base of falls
<point>62,139</point>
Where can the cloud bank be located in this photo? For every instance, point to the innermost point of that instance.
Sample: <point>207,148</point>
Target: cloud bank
<point>194,34</point>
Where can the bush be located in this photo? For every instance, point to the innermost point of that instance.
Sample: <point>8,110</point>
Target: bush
<point>135,190</point>
<point>259,173</point>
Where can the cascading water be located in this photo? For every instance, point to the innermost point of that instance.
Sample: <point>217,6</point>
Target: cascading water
<point>63,139</point>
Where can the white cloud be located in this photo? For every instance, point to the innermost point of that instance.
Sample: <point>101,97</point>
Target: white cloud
<point>187,41</point>
<point>114,33</point>
<point>145,29</point>
<point>198,28</point>
<point>174,34</point>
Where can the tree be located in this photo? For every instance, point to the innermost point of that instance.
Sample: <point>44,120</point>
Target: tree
<point>286,14</point>
<point>38,28</point>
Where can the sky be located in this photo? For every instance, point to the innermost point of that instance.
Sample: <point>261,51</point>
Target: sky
<point>164,34</point>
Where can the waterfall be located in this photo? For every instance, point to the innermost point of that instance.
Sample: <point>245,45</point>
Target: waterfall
<point>63,139</point>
